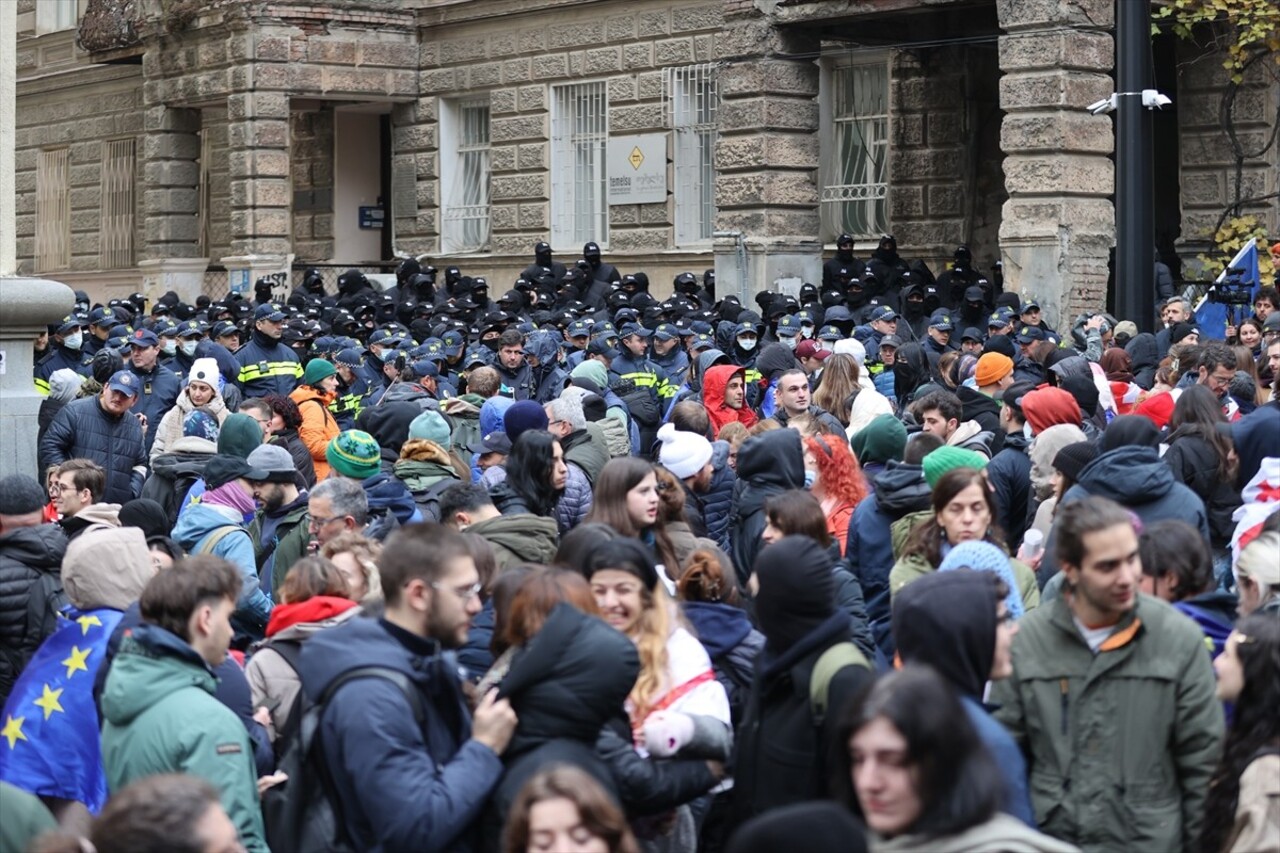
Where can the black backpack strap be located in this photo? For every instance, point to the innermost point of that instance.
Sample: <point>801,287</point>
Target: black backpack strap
<point>395,676</point>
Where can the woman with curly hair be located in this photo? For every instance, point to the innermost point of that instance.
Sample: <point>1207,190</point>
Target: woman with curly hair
<point>837,482</point>
<point>285,421</point>
<point>1242,811</point>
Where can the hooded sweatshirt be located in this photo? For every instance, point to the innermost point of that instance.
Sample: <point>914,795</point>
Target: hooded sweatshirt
<point>197,524</point>
<point>160,716</point>
<point>899,491</point>
<point>948,621</point>
<point>713,385</point>
<point>768,464</point>
<point>108,567</point>
<point>519,539</point>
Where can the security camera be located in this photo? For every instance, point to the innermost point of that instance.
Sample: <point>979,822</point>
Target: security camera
<point>1153,100</point>
<point>1104,106</point>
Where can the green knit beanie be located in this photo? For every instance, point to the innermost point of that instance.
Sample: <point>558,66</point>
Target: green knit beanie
<point>882,440</point>
<point>355,454</point>
<point>318,369</point>
<point>949,458</point>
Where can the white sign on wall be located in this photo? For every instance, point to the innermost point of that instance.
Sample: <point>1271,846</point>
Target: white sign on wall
<point>638,169</point>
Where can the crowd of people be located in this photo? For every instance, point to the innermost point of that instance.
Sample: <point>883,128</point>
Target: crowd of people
<point>889,564</point>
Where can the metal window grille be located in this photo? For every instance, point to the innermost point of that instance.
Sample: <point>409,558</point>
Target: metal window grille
<point>53,209</point>
<point>116,240</point>
<point>854,193</point>
<point>579,178</point>
<point>693,101</point>
<point>466,215</point>
<point>205,192</point>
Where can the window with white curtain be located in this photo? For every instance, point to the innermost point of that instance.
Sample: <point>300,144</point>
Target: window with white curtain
<point>53,209</point>
<point>55,15</point>
<point>579,175</point>
<point>115,241</point>
<point>855,138</point>
<point>693,103</point>
<point>465,174</point>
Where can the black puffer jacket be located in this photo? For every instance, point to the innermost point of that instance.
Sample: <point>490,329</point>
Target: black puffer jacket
<point>564,685</point>
<point>1010,476</point>
<point>26,553</point>
<point>768,464</point>
<point>83,429</point>
<point>1195,463</point>
<point>1145,358</point>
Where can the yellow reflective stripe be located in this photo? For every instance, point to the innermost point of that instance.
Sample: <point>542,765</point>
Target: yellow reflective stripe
<point>277,368</point>
<point>42,387</point>
<point>642,379</point>
<point>753,375</point>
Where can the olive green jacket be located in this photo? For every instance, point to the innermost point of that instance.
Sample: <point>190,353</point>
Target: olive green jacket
<point>1120,745</point>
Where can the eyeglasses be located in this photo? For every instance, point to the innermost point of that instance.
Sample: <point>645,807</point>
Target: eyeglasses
<point>317,523</point>
<point>465,593</point>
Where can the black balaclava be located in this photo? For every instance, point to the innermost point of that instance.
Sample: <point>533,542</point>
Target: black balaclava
<point>844,249</point>
<point>542,254</point>
<point>947,620</point>
<point>797,591</point>
<point>147,515</point>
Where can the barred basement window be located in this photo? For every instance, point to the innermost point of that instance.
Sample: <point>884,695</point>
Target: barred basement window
<point>465,178</point>
<point>579,176</point>
<point>856,168</point>
<point>53,209</point>
<point>116,238</point>
<point>693,101</point>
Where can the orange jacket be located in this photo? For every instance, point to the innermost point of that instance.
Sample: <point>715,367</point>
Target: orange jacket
<point>318,426</point>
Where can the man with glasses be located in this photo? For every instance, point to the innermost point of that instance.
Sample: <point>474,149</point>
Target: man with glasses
<point>406,783</point>
<point>77,493</point>
<point>1216,370</point>
<point>335,506</point>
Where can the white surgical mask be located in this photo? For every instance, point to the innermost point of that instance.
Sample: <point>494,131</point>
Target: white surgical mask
<point>747,344</point>
<point>790,343</point>
<point>73,341</point>
<point>806,331</point>
<point>169,347</point>
<point>189,347</point>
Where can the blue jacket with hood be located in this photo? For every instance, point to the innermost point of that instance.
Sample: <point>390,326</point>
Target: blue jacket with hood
<point>201,520</point>
<point>402,788</point>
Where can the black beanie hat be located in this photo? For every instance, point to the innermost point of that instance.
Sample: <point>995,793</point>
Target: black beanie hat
<point>1002,344</point>
<point>824,826</point>
<point>20,494</point>
<point>625,555</point>
<point>147,515</point>
<point>797,591</point>
<point>1073,458</point>
<point>1085,392</point>
<point>1130,430</point>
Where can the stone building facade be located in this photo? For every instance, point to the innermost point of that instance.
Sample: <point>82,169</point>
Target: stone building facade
<point>260,127</point>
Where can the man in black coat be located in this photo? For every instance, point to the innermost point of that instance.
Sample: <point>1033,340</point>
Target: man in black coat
<point>103,429</point>
<point>30,551</point>
<point>784,742</point>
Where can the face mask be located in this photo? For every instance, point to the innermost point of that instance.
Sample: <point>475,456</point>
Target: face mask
<point>789,343</point>
<point>189,348</point>
<point>169,347</point>
<point>73,341</point>
<point>810,477</point>
<point>806,331</point>
<point>747,344</point>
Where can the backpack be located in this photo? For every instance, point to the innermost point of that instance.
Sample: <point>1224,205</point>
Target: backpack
<point>428,500</point>
<point>304,812</point>
<point>46,600</point>
<point>829,663</point>
<point>211,541</point>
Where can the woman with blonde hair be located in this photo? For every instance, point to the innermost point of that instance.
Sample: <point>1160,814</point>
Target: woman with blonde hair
<point>357,558</point>
<point>840,378</point>
<point>676,704</point>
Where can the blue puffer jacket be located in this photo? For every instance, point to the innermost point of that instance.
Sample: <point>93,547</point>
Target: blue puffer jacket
<point>1010,475</point>
<point>717,503</point>
<point>196,524</point>
<point>387,494</point>
<point>401,787</point>
<point>575,503</point>
<point>160,390</point>
<point>82,429</point>
<point>900,490</point>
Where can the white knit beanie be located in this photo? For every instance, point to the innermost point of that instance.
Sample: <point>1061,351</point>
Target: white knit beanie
<point>682,453</point>
<point>206,370</point>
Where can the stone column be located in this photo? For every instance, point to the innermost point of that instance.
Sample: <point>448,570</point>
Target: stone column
<point>27,306</point>
<point>1058,225</point>
<point>258,139</point>
<point>766,159</point>
<point>171,203</point>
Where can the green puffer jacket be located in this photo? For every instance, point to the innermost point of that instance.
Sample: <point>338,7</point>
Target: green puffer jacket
<point>519,539</point>
<point>161,717</point>
<point>914,567</point>
<point>1120,745</point>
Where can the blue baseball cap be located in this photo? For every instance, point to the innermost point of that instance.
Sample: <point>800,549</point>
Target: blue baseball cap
<point>702,342</point>
<point>666,332</point>
<point>453,342</point>
<point>883,312</point>
<point>268,312</point>
<point>103,316</point>
<point>579,328</point>
<point>629,329</point>
<point>1030,334</point>
<point>70,323</point>
<point>125,382</point>
<point>941,320</point>
<point>788,326</point>
<point>829,333</point>
<point>190,329</point>
<point>144,338</point>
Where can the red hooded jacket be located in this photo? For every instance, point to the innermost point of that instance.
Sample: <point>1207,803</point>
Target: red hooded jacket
<point>713,385</point>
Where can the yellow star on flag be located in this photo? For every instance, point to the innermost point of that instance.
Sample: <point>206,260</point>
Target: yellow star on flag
<point>13,730</point>
<point>49,701</point>
<point>76,661</point>
<point>86,622</point>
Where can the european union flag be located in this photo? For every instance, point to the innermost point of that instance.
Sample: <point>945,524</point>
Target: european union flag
<point>49,741</point>
<point>1211,317</point>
